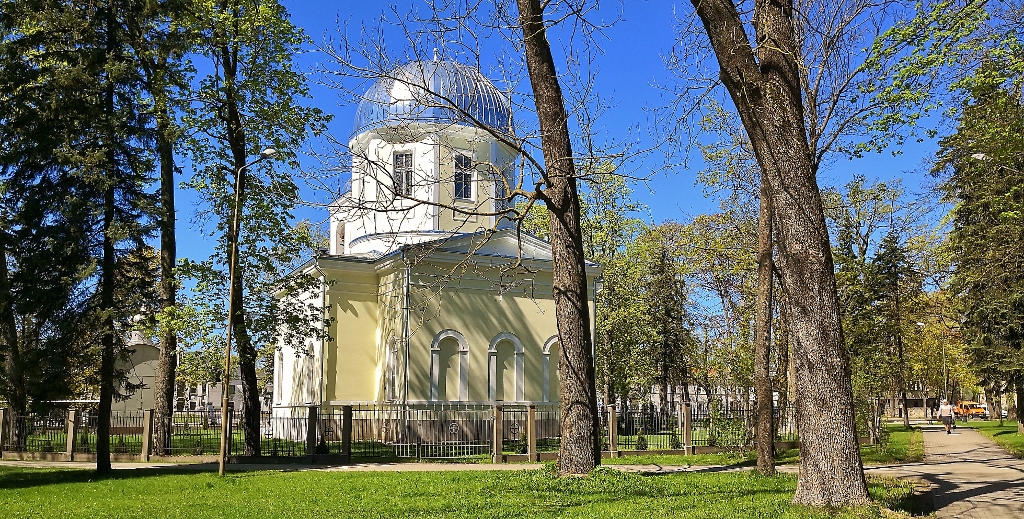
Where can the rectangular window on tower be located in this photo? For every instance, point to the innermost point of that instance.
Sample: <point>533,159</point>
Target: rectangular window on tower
<point>463,177</point>
<point>402,173</point>
<point>502,183</point>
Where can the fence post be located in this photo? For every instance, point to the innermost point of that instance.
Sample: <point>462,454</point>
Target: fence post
<point>311,427</point>
<point>346,433</point>
<point>687,428</point>
<point>496,454</point>
<point>72,425</point>
<point>3,429</point>
<point>679,423</point>
<point>531,433</point>
<point>613,431</point>
<point>147,434</point>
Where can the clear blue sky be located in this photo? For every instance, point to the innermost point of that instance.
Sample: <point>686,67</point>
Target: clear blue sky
<point>628,70</point>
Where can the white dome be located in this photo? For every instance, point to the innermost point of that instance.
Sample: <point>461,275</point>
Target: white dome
<point>435,91</point>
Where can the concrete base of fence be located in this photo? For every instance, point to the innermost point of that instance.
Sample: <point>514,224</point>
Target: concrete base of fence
<point>38,456</point>
<point>78,456</point>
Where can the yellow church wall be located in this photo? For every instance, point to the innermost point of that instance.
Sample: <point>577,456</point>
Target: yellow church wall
<point>480,151</point>
<point>390,335</point>
<point>352,359</point>
<point>469,304</point>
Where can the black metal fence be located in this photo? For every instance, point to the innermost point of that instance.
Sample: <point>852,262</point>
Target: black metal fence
<point>650,429</point>
<point>379,431</point>
<point>193,433</point>
<point>549,428</point>
<point>45,432</point>
<point>733,425</point>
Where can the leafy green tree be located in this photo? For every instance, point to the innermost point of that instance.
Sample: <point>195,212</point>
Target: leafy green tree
<point>73,56</point>
<point>609,226</point>
<point>159,42</point>
<point>982,166</point>
<point>718,251</point>
<point>894,285</point>
<point>251,99</point>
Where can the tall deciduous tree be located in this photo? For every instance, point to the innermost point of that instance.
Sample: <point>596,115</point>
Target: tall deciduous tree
<point>251,99</point>
<point>580,449</point>
<point>765,84</point>
<point>732,168</point>
<point>159,41</point>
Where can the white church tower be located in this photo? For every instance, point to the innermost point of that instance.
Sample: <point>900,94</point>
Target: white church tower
<point>423,166</point>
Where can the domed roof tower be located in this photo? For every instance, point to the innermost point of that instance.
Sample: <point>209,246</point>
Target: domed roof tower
<point>439,92</point>
<point>426,159</point>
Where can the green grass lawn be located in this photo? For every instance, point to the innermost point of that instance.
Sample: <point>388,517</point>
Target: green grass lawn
<point>1005,435</point>
<point>905,446</point>
<point>537,493</point>
<point>724,458</point>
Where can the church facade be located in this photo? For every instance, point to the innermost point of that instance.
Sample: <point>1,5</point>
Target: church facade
<point>433,296</point>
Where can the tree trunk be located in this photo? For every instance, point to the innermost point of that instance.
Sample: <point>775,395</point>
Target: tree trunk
<point>762,341</point>
<point>901,358</point>
<point>580,449</point>
<point>14,376</point>
<point>997,403</point>
<point>243,344</point>
<point>783,379</point>
<point>168,362</point>
<point>1019,385</point>
<point>108,343</point>
<point>107,265</point>
<point>766,91</point>
<point>902,380</point>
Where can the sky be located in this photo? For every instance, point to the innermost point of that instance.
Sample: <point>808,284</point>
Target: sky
<point>628,74</point>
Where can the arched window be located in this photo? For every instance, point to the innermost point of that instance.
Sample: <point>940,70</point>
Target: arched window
<point>498,370</point>
<point>550,387</point>
<point>449,351</point>
<point>391,370</point>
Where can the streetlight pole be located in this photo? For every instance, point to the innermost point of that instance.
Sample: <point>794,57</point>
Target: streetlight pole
<point>232,267</point>
<point>945,375</point>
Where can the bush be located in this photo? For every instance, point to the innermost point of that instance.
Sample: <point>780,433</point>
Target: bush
<point>641,441</point>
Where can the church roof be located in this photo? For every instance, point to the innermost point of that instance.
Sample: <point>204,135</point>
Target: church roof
<point>433,91</point>
<point>506,243</point>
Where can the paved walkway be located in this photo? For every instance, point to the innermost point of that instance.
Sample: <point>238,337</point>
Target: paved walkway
<point>971,477</point>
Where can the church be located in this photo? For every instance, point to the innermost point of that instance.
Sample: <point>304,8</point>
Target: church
<point>433,297</point>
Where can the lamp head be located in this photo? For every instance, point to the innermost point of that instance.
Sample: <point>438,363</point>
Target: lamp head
<point>980,156</point>
<point>268,153</point>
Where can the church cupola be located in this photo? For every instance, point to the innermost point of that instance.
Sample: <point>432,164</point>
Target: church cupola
<point>428,159</point>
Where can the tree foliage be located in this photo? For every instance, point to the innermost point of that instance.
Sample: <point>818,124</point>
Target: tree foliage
<point>982,165</point>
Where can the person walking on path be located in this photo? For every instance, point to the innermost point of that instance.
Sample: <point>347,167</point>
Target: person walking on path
<point>946,414</point>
